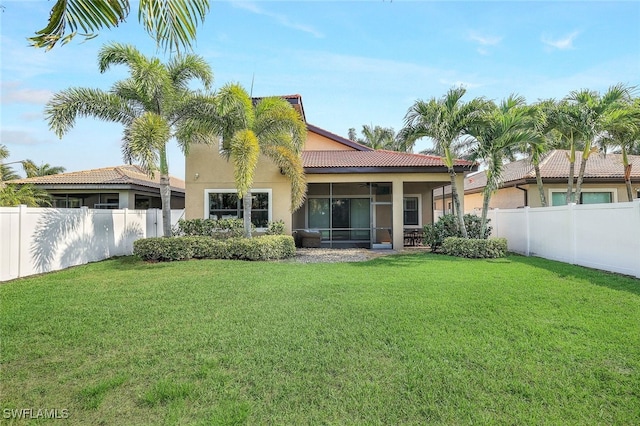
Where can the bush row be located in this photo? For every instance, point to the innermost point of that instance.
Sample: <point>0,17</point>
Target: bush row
<point>267,247</point>
<point>475,248</point>
<point>221,228</point>
<point>216,228</point>
<point>447,226</point>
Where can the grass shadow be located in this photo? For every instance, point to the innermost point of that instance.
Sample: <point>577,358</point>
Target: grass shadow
<point>597,277</point>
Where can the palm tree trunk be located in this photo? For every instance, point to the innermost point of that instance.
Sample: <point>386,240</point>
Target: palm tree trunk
<point>543,198</point>
<point>246,214</point>
<point>583,165</point>
<point>627,173</point>
<point>486,198</point>
<point>165,193</point>
<point>456,203</point>
<point>165,197</point>
<point>572,168</point>
<point>627,181</point>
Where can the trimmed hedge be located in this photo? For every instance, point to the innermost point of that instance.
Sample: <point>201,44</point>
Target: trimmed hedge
<point>447,226</point>
<point>267,247</point>
<point>475,248</point>
<point>163,249</point>
<point>217,228</point>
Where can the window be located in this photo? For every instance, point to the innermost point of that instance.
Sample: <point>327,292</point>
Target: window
<point>225,204</point>
<point>410,210</point>
<point>589,196</point>
<point>66,201</point>
<point>348,218</point>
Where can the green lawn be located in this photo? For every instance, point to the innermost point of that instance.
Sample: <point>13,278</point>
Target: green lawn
<point>410,339</point>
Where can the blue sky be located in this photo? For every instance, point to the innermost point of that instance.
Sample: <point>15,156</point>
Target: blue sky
<point>354,63</point>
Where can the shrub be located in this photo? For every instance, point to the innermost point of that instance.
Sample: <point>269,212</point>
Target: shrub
<point>267,247</point>
<point>474,247</point>
<point>217,228</point>
<point>163,249</point>
<point>447,226</point>
<point>275,228</point>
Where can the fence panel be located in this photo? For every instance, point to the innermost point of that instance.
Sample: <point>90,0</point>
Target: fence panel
<point>35,240</point>
<point>608,238</point>
<point>550,233</point>
<point>602,236</point>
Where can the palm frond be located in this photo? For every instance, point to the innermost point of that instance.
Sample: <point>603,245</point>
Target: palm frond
<point>147,137</point>
<point>68,16</point>
<point>172,24</point>
<point>65,106</point>
<point>183,69</point>
<point>290,165</point>
<point>245,152</point>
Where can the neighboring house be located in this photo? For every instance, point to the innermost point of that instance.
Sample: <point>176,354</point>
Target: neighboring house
<point>356,196</point>
<point>603,182</point>
<point>108,188</point>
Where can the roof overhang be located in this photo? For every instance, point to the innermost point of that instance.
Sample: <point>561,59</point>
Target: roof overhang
<point>382,170</point>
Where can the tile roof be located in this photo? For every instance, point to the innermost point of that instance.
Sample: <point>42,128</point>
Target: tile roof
<point>377,159</point>
<point>556,166</point>
<point>119,175</point>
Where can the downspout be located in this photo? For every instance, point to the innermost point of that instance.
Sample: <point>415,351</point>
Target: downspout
<point>526,195</point>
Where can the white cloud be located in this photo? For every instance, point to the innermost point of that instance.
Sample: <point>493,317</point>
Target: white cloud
<point>13,93</point>
<point>32,116</point>
<point>281,19</point>
<point>19,137</point>
<point>563,43</point>
<point>484,40</point>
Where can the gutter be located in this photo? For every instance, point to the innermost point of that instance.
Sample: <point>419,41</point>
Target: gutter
<point>526,194</point>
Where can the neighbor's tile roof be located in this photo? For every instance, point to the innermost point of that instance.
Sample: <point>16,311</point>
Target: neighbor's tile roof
<point>119,175</point>
<point>378,158</point>
<point>556,166</point>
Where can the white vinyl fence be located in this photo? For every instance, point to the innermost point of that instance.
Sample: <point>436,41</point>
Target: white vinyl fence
<point>600,236</point>
<point>35,240</point>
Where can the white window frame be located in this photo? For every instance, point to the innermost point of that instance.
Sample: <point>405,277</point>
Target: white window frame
<point>613,191</point>
<point>419,197</point>
<point>268,191</point>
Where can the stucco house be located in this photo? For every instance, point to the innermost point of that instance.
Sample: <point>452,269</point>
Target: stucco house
<point>603,183</point>
<point>119,187</point>
<point>356,197</point>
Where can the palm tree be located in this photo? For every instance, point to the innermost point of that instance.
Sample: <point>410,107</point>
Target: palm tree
<point>623,131</point>
<point>14,195</point>
<point>172,24</point>
<point>566,123</point>
<point>6,172</point>
<point>270,126</point>
<point>446,121</point>
<point>536,148</point>
<point>46,169</point>
<point>155,105</point>
<point>596,110</point>
<point>498,135</point>
<point>375,137</point>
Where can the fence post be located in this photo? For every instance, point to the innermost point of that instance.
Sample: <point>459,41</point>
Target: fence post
<point>527,220</point>
<point>22,213</point>
<point>636,206</point>
<point>571,209</point>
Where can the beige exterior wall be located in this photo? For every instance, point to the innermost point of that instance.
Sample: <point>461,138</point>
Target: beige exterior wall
<point>506,198</point>
<point>511,197</point>
<point>214,172</point>
<point>316,142</point>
